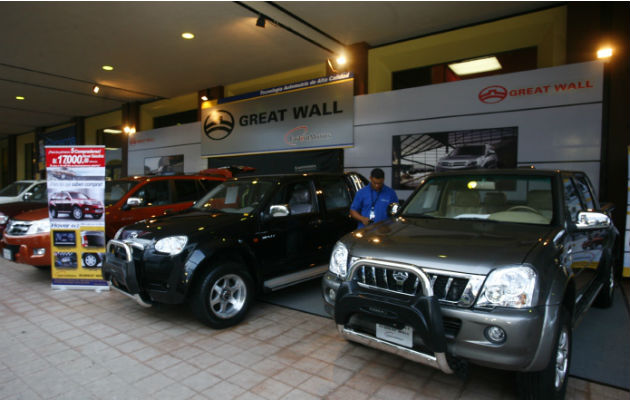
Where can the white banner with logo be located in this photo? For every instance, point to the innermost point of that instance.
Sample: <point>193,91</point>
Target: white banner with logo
<point>314,114</point>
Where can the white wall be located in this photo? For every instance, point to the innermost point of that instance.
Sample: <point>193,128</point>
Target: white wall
<point>556,128</point>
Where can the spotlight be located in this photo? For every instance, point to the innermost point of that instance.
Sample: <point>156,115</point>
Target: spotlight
<point>204,98</point>
<point>260,21</point>
<point>605,52</point>
<point>129,130</point>
<point>96,89</point>
<point>341,60</point>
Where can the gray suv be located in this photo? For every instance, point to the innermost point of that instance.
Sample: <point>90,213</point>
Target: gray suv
<point>490,267</point>
<point>470,156</point>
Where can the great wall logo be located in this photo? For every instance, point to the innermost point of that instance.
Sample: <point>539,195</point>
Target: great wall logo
<point>496,93</point>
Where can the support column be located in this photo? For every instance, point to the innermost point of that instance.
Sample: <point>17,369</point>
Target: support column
<point>130,119</point>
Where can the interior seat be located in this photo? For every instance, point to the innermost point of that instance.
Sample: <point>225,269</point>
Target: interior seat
<point>495,201</point>
<point>464,202</point>
<point>541,200</point>
<point>300,201</point>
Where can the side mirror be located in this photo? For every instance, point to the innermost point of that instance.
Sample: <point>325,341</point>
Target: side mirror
<point>393,209</point>
<point>279,210</point>
<point>592,220</point>
<point>131,202</point>
<point>27,196</point>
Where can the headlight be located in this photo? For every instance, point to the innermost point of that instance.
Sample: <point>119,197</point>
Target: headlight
<point>40,226</point>
<point>171,245</point>
<point>339,260</point>
<point>509,287</point>
<point>3,219</point>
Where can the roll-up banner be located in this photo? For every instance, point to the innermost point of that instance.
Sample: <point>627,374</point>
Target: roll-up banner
<point>313,114</point>
<point>626,247</point>
<point>76,207</point>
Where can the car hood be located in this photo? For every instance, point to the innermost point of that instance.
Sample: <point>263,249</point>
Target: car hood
<point>17,207</point>
<point>474,247</point>
<point>190,223</point>
<point>32,215</point>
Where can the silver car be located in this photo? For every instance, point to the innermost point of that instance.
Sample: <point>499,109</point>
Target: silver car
<point>469,157</point>
<point>490,267</point>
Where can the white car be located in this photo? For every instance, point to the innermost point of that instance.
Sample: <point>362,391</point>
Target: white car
<point>21,190</point>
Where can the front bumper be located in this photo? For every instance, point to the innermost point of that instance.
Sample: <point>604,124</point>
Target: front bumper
<point>144,274</point>
<point>22,247</point>
<point>526,348</point>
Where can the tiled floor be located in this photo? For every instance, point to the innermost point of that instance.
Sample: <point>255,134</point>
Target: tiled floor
<point>87,345</point>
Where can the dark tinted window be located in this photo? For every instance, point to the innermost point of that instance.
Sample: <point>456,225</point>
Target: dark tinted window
<point>186,190</point>
<point>115,190</point>
<point>154,194</point>
<point>335,193</point>
<point>39,193</point>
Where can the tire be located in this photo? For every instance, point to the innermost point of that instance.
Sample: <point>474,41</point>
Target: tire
<point>551,382</point>
<point>605,297</point>
<point>222,297</point>
<point>53,212</point>
<point>77,213</point>
<point>90,260</point>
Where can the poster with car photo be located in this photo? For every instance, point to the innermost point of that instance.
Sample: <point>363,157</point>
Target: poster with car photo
<point>76,194</point>
<point>414,156</point>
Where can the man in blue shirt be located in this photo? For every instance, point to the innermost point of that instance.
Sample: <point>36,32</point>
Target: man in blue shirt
<point>370,203</point>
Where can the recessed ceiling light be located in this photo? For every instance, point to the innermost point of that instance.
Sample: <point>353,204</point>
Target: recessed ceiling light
<point>107,67</point>
<point>188,35</point>
<point>110,130</point>
<point>19,98</point>
<point>476,66</point>
<point>605,52</point>
<point>96,89</point>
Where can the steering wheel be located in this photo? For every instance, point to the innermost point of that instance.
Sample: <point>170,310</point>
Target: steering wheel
<point>524,208</point>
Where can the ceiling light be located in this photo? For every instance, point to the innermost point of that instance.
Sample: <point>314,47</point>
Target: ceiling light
<point>341,60</point>
<point>128,130</point>
<point>110,130</point>
<point>204,98</point>
<point>96,89</point>
<point>476,66</point>
<point>107,67</point>
<point>19,98</point>
<point>188,35</point>
<point>605,52</point>
<point>260,21</point>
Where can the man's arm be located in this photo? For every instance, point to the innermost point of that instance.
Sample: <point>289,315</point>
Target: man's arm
<point>355,214</point>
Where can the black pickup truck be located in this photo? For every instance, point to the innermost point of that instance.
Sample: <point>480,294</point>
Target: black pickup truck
<point>245,235</point>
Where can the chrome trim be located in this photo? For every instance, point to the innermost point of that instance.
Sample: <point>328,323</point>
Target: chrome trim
<point>125,246</point>
<point>558,237</point>
<point>436,361</point>
<point>294,278</point>
<point>135,297</point>
<point>426,284</point>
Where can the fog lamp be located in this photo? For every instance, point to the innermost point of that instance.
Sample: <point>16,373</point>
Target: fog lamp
<point>331,294</point>
<point>495,334</point>
<point>39,252</point>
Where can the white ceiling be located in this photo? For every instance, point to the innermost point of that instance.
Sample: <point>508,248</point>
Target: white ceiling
<point>52,52</point>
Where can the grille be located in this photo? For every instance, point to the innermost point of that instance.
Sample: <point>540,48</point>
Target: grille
<point>18,228</point>
<point>446,288</point>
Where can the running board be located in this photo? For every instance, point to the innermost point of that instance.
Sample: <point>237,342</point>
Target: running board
<point>294,278</point>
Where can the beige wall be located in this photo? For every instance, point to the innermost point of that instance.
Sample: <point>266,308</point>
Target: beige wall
<point>102,121</point>
<point>544,29</point>
<point>20,141</point>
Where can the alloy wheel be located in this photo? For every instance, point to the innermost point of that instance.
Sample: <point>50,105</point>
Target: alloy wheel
<point>227,296</point>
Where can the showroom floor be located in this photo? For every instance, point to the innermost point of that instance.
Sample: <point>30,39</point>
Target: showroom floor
<point>87,345</point>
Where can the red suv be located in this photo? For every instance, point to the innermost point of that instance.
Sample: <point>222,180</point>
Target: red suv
<point>127,200</point>
<point>76,204</point>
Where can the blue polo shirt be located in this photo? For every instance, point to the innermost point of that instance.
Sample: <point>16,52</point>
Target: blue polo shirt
<point>366,198</point>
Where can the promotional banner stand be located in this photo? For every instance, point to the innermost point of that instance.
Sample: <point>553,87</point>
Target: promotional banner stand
<point>76,209</point>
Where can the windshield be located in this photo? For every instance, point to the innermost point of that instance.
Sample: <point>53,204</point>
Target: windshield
<point>115,190</point>
<point>468,151</point>
<point>78,195</point>
<point>15,189</point>
<point>503,198</point>
<point>237,197</point>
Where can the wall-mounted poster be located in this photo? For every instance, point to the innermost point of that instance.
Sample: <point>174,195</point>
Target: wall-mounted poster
<point>76,194</point>
<point>415,156</point>
<point>164,165</point>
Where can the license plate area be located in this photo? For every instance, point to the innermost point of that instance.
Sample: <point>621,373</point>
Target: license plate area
<point>403,337</point>
<point>6,253</point>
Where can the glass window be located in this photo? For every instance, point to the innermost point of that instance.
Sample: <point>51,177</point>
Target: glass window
<point>335,193</point>
<point>186,190</point>
<point>241,196</point>
<point>154,194</point>
<point>571,199</point>
<point>15,188</point>
<point>39,193</point>
<point>115,190</point>
<point>585,189</point>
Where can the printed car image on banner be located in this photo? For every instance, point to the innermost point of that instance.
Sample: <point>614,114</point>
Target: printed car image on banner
<point>314,114</point>
<point>415,156</point>
<point>76,208</point>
